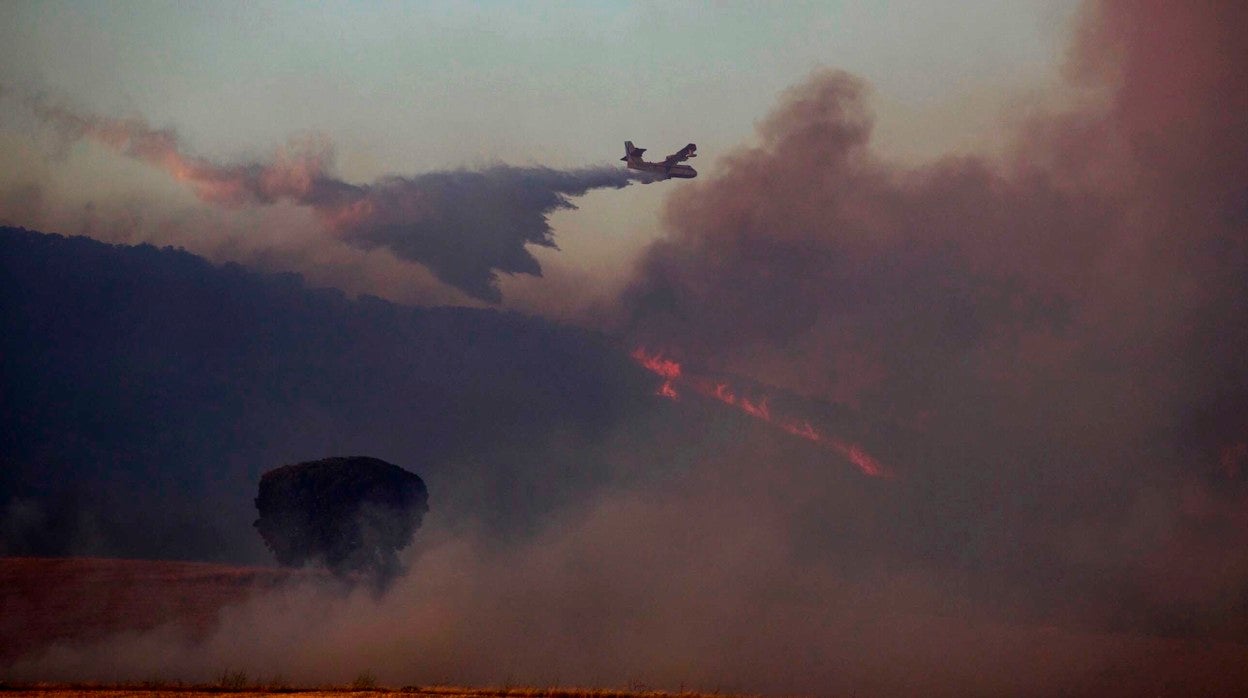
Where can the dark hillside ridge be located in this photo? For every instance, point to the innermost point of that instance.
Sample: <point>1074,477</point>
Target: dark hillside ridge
<point>145,391</point>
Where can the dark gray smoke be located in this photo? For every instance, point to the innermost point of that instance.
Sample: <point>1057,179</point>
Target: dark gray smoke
<point>464,226</point>
<point>352,514</point>
<point>1065,323</point>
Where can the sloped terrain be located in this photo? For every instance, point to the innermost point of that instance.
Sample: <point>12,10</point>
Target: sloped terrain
<point>146,390</point>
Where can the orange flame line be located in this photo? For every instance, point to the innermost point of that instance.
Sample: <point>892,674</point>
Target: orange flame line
<point>666,368</point>
<point>655,363</point>
<point>671,372</point>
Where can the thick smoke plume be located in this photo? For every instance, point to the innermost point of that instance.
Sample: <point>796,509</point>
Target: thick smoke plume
<point>465,226</point>
<point>1065,324</point>
<point>815,263</point>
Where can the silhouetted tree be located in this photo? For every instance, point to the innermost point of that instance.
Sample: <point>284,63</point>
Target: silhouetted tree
<point>352,514</point>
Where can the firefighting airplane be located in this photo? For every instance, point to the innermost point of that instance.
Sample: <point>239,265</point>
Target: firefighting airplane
<point>667,168</point>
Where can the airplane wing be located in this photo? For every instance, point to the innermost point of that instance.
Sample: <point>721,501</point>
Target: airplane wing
<point>681,155</point>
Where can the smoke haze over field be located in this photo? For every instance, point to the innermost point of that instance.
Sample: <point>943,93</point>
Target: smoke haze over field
<point>1047,348</point>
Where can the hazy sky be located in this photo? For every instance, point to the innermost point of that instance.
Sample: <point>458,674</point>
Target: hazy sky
<point>405,88</point>
<point>419,86</point>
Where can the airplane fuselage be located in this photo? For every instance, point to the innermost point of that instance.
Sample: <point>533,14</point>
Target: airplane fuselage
<point>676,171</point>
<point>666,169</point>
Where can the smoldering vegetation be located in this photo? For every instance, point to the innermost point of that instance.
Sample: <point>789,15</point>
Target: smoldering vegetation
<point>352,514</point>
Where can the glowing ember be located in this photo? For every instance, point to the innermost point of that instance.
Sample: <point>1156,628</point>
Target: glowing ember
<point>672,373</point>
<point>655,363</point>
<point>802,430</point>
<point>668,369</point>
<point>724,394</point>
<point>859,457</point>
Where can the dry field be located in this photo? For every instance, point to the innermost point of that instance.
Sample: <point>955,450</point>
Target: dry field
<point>76,691</point>
<point>79,600</point>
<point>46,600</point>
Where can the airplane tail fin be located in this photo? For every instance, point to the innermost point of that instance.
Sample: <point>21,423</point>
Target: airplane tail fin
<point>631,151</point>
